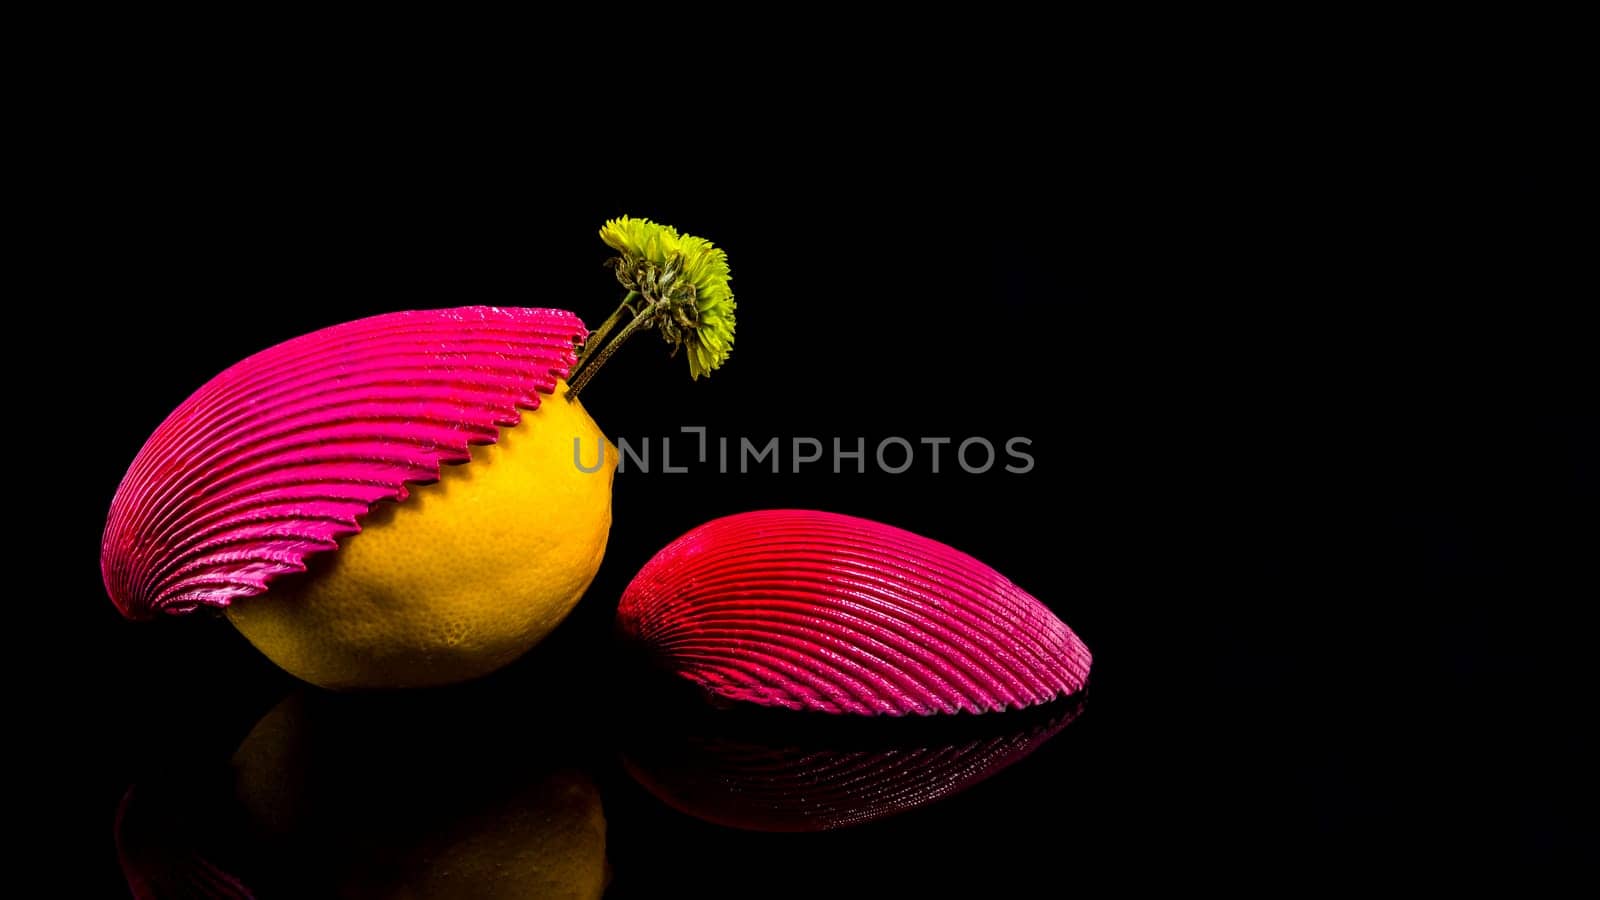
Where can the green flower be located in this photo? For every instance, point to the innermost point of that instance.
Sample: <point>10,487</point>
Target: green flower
<point>683,281</point>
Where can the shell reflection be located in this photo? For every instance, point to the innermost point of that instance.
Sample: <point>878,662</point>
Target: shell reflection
<point>791,782</point>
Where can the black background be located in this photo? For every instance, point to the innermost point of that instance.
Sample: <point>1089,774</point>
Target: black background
<point>1315,466</point>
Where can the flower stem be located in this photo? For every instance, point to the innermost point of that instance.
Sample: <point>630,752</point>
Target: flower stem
<point>588,368</point>
<point>599,336</point>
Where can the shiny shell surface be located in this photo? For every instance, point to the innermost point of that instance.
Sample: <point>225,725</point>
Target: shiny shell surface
<point>280,455</point>
<point>819,611</point>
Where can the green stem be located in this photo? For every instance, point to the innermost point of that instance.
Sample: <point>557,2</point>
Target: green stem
<point>600,333</point>
<point>581,378</point>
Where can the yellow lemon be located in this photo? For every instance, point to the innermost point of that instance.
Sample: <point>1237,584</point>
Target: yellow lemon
<point>459,579</point>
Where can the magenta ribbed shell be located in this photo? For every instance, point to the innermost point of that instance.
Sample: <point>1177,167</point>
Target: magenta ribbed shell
<point>280,455</point>
<point>819,611</point>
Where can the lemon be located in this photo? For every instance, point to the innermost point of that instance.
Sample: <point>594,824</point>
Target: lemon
<point>459,579</point>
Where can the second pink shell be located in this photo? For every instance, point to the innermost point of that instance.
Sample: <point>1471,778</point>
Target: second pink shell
<point>818,611</point>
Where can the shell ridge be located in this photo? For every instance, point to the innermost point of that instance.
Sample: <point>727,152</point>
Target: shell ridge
<point>809,608</point>
<point>183,529</point>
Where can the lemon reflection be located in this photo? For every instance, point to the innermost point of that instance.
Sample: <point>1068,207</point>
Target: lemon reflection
<point>418,797</point>
<point>440,794</point>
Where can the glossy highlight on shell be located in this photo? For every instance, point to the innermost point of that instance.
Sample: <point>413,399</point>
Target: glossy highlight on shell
<point>280,455</point>
<point>818,611</point>
<point>760,784</point>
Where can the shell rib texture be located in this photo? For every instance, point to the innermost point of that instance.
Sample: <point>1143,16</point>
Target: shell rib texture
<point>824,612</point>
<point>280,455</point>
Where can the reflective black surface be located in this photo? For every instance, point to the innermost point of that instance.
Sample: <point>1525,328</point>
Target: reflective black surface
<point>471,791</point>
<point>1315,483</point>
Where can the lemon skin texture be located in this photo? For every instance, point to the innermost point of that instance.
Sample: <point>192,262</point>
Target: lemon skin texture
<point>459,579</point>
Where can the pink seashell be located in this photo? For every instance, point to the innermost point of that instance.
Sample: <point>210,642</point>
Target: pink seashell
<point>818,611</point>
<point>759,785</point>
<point>280,455</point>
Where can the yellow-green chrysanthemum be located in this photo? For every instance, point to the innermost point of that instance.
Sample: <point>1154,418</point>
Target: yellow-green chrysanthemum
<point>683,280</point>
